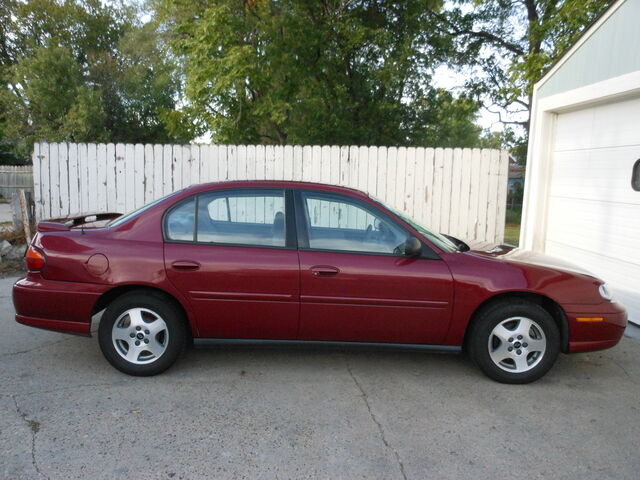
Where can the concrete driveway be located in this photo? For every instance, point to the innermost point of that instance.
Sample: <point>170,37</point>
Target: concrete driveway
<point>273,413</point>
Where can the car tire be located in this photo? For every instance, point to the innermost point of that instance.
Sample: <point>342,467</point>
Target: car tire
<point>142,333</point>
<point>514,341</point>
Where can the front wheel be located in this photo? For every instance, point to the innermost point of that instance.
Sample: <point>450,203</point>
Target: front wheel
<point>514,342</point>
<point>141,333</point>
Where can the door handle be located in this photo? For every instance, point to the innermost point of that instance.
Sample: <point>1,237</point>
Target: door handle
<point>324,271</point>
<point>185,265</point>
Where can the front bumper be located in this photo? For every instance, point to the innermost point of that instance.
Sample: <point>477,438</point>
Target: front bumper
<point>54,305</point>
<point>585,336</point>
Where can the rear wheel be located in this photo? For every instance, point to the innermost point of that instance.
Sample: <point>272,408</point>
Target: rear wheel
<point>142,333</point>
<point>514,341</point>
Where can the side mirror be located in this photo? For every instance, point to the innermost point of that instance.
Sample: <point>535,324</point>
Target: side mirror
<point>412,247</point>
<point>462,247</point>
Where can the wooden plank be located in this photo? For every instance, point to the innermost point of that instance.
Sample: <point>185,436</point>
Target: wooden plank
<point>418,199</point>
<point>138,171</point>
<point>334,165</point>
<point>251,163</point>
<point>316,163</point>
<point>381,181</point>
<point>445,206</point>
<point>149,172</point>
<point>241,160</point>
<point>129,177</point>
<point>63,172</point>
<point>92,178</point>
<point>474,192</point>
<point>167,169</point>
<point>409,180</point>
<point>45,178</point>
<point>502,195</point>
<point>186,162</point>
<point>436,206</point>
<point>111,178</point>
<point>270,163</point>
<point>101,177</point>
<point>372,171</point>
<point>54,178</point>
<point>307,170</point>
<point>456,190</point>
<point>278,153</point>
<point>176,168</point>
<point>158,171</point>
<point>401,172</point>
<point>203,167</point>
<point>121,178</point>
<point>25,216</point>
<point>36,161</point>
<point>261,162</point>
<point>325,166</point>
<point>232,163</point>
<point>428,181</point>
<point>492,197</point>
<point>298,160</point>
<point>287,173</point>
<point>354,165</point>
<point>465,190</point>
<point>392,174</point>
<point>223,165</point>
<point>363,168</point>
<point>195,165</point>
<point>483,196</point>
<point>344,166</point>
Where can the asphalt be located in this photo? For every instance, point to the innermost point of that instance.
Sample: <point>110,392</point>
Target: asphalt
<point>308,413</point>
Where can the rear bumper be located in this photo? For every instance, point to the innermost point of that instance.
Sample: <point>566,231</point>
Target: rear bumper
<point>53,305</point>
<point>585,336</point>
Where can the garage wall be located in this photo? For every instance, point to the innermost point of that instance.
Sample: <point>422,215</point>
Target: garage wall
<point>593,214</point>
<point>611,49</point>
<point>452,190</point>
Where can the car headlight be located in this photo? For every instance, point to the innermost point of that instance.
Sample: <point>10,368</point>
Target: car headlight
<point>604,293</point>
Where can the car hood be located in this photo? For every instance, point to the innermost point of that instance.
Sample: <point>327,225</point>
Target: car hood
<point>517,255</point>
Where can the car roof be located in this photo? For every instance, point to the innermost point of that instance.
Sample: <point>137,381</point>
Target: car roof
<point>273,184</point>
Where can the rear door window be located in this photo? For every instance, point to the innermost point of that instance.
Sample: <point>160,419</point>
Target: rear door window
<point>242,217</point>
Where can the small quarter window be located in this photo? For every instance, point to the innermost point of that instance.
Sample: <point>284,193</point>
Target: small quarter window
<point>635,176</point>
<point>180,222</point>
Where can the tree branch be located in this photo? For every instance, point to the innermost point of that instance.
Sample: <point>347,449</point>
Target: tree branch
<point>455,31</point>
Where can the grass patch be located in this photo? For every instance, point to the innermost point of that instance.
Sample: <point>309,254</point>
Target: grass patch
<point>512,226</point>
<point>512,234</point>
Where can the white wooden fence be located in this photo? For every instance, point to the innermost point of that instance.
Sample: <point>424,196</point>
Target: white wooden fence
<point>457,191</point>
<point>15,177</point>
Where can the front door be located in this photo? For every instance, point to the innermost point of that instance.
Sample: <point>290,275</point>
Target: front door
<point>229,253</point>
<point>356,286</point>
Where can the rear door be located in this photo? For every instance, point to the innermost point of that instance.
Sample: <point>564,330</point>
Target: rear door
<point>233,254</point>
<point>356,286</point>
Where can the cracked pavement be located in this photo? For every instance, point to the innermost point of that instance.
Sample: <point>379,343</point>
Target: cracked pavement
<point>239,412</point>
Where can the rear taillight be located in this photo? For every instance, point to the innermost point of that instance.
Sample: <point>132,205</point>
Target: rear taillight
<point>34,259</point>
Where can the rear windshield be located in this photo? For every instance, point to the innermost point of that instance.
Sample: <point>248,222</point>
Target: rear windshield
<point>138,211</point>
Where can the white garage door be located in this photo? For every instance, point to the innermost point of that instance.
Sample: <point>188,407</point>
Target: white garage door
<point>594,213</point>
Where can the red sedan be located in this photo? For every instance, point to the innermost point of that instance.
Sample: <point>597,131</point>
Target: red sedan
<point>290,262</point>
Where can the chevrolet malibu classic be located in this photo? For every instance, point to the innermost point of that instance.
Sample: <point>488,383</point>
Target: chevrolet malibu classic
<point>301,263</point>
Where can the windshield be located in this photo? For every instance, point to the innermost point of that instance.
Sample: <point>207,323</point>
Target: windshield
<point>438,240</point>
<point>120,220</point>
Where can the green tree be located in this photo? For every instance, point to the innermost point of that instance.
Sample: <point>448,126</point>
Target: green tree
<point>317,72</point>
<point>511,44</point>
<point>84,70</point>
